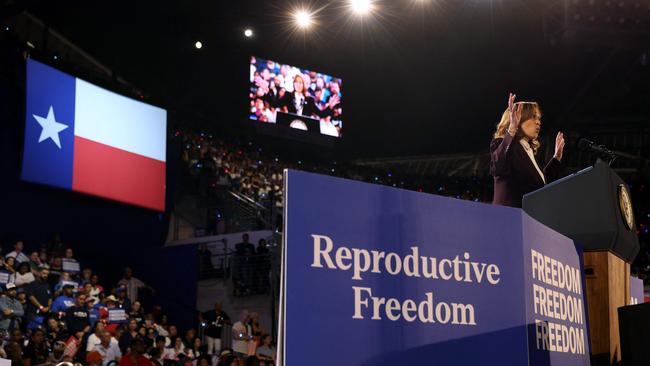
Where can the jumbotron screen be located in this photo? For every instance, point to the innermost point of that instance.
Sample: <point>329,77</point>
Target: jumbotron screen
<point>295,98</point>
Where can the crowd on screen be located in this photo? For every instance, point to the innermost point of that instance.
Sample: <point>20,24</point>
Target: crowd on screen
<point>282,88</point>
<point>54,310</point>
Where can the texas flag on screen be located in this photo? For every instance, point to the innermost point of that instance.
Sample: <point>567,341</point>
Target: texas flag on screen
<point>81,137</point>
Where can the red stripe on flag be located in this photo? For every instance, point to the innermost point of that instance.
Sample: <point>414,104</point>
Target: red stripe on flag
<point>108,172</point>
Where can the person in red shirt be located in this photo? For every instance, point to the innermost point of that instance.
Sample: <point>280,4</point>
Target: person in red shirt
<point>136,356</point>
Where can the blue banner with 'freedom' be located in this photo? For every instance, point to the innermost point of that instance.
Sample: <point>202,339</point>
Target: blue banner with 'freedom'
<point>374,275</point>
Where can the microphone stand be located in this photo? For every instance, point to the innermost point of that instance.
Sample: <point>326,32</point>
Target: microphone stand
<point>604,154</point>
<point>609,155</point>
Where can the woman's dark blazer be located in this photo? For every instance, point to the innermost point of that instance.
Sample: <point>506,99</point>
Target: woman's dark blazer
<point>514,173</point>
<point>309,108</point>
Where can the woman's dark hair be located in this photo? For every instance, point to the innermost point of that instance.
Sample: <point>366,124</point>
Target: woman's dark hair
<point>38,330</point>
<point>227,361</point>
<point>94,326</point>
<point>204,357</point>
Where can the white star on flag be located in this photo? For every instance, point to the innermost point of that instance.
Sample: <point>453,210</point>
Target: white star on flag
<point>51,127</point>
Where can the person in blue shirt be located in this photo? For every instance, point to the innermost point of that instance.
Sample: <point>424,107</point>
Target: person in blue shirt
<point>93,312</point>
<point>63,301</point>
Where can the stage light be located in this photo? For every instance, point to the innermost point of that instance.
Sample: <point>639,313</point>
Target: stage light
<point>198,45</point>
<point>361,7</point>
<point>303,18</point>
<point>248,33</point>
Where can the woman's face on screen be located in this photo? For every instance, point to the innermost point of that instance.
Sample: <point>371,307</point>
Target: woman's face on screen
<point>298,84</point>
<point>531,127</point>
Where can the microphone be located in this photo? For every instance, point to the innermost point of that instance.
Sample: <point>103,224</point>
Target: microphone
<point>588,145</point>
<point>585,144</point>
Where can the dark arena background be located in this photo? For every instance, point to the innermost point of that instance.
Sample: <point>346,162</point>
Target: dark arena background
<point>402,93</point>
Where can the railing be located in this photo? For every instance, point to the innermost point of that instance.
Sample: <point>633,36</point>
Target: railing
<point>250,274</point>
<point>247,210</point>
<point>219,210</point>
<point>229,211</point>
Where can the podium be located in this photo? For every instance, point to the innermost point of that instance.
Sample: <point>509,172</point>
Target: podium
<point>395,277</point>
<point>593,208</point>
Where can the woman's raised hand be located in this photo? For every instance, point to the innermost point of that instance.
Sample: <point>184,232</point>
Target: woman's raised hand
<point>559,146</point>
<point>514,112</point>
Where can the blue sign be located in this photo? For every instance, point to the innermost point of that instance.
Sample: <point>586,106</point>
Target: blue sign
<point>117,316</point>
<point>374,275</point>
<point>4,277</point>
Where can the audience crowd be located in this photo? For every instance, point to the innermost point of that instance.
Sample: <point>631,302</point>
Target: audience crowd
<point>246,169</point>
<point>53,310</point>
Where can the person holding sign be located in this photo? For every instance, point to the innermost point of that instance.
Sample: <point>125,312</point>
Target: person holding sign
<point>512,154</point>
<point>23,276</point>
<point>17,253</point>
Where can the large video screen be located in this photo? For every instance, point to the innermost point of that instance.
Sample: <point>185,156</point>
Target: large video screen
<point>83,138</point>
<point>296,98</point>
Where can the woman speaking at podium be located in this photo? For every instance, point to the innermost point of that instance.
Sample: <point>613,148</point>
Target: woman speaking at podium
<point>513,150</point>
